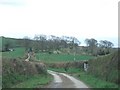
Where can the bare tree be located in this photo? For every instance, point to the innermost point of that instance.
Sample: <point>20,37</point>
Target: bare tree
<point>74,42</point>
<point>36,43</point>
<point>40,43</point>
<point>51,43</point>
<point>92,45</point>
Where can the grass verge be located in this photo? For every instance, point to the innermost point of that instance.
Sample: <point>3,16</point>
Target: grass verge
<point>23,74</point>
<point>70,70</point>
<point>36,81</point>
<point>94,82</point>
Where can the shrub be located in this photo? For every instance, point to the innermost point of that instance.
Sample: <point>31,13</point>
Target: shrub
<point>17,70</point>
<point>105,67</point>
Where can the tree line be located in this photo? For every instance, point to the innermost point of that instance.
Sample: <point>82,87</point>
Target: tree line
<point>102,47</point>
<point>50,43</point>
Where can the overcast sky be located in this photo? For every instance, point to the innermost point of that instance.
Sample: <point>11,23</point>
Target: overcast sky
<point>79,18</point>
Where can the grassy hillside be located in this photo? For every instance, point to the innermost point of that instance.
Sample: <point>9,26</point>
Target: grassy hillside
<point>11,42</point>
<point>45,57</point>
<point>16,71</point>
<point>4,40</point>
<point>18,52</point>
<point>105,68</point>
<point>102,71</point>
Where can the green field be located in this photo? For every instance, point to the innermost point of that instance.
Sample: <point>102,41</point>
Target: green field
<point>41,80</point>
<point>18,52</point>
<point>61,57</point>
<point>21,74</point>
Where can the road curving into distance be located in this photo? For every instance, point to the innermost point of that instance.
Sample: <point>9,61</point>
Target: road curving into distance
<point>62,80</point>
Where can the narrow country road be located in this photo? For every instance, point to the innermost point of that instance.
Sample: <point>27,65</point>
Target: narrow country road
<point>62,80</point>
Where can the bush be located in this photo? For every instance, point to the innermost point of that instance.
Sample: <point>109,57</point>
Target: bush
<point>105,67</point>
<point>16,70</point>
<point>41,68</point>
